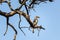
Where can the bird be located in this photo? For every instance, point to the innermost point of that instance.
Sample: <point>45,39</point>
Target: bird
<point>35,22</point>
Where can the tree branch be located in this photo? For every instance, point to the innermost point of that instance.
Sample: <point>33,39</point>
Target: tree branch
<point>17,12</point>
<point>26,16</point>
<point>14,30</point>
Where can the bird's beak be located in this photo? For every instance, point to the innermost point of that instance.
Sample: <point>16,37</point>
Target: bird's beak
<point>38,17</point>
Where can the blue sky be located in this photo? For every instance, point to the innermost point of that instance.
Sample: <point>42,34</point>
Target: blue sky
<point>49,18</point>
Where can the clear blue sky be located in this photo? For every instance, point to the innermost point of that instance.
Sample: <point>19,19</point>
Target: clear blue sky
<point>49,18</point>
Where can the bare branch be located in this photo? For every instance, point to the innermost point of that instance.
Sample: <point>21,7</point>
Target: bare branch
<point>7,21</point>
<point>14,30</point>
<point>21,13</point>
<point>22,3</point>
<point>32,24</point>
<point>20,25</point>
<point>8,2</point>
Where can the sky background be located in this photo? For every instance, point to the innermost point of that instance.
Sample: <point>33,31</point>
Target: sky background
<point>49,18</point>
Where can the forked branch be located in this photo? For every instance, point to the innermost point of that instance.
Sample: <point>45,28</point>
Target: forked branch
<point>21,13</point>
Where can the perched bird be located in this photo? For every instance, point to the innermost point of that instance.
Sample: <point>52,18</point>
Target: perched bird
<point>35,22</point>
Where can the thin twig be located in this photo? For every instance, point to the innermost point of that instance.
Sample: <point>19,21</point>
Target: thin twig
<point>20,25</point>
<point>24,27</point>
<point>24,1</point>
<point>14,30</point>
<point>9,4</point>
<point>7,26</point>
<point>38,31</point>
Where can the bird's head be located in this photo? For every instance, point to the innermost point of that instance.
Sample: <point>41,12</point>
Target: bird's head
<point>37,17</point>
